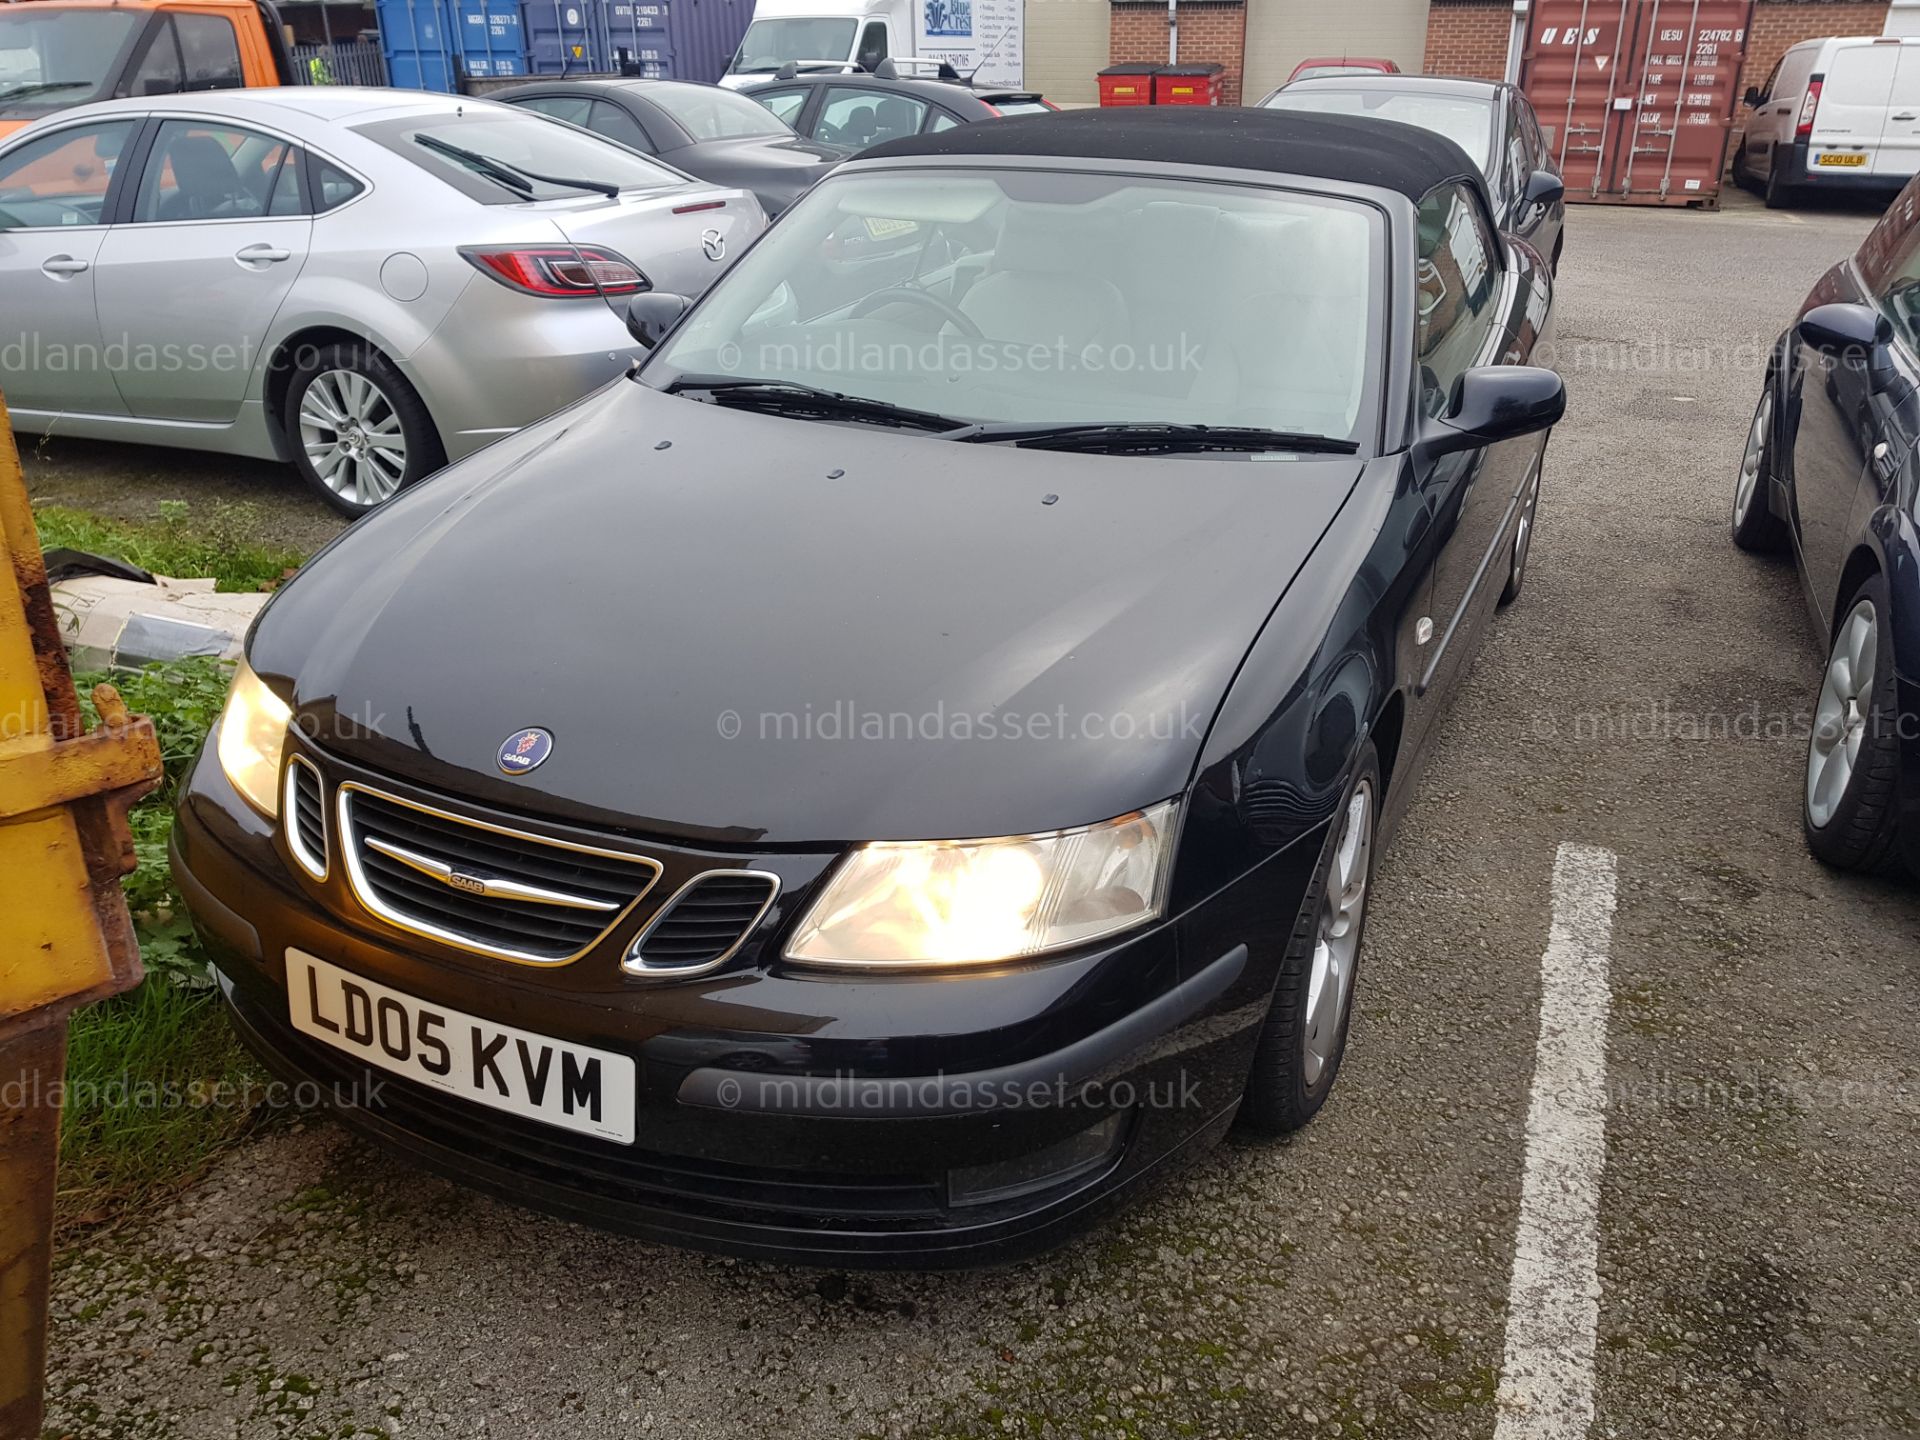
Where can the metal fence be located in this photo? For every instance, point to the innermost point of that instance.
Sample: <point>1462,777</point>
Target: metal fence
<point>345,62</point>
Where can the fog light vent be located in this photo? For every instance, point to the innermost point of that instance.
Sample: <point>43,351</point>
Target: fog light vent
<point>1077,1155</point>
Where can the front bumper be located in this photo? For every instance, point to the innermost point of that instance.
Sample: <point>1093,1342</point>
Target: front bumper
<point>781,1114</point>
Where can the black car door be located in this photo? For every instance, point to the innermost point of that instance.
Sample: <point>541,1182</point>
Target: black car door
<point>1856,419</point>
<point>1463,288</point>
<point>1850,425</point>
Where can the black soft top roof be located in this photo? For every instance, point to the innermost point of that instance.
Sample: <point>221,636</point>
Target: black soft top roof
<point>1353,148</point>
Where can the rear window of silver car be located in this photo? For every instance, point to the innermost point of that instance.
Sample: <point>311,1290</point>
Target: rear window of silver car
<point>522,142</point>
<point>1463,119</point>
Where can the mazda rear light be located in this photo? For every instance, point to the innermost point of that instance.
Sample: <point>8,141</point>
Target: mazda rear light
<point>559,272</point>
<point>1807,108</point>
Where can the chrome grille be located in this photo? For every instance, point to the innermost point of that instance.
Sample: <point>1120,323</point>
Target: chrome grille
<point>305,817</point>
<point>486,888</point>
<point>705,923</point>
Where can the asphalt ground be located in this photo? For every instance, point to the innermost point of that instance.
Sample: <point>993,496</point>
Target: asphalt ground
<point>1749,1201</point>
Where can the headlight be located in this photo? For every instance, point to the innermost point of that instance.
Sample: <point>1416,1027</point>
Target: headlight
<point>953,902</point>
<point>253,732</point>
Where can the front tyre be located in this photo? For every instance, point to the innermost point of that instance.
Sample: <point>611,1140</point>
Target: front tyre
<point>359,432</point>
<point>1850,808</point>
<point>1754,526</point>
<point>1305,1034</point>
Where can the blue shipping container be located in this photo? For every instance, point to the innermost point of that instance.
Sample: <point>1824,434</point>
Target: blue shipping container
<point>677,39</point>
<point>430,44</point>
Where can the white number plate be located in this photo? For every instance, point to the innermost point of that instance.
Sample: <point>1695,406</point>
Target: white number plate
<point>569,1086</point>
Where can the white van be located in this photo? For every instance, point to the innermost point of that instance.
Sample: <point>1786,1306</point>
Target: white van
<point>1841,113</point>
<point>827,34</point>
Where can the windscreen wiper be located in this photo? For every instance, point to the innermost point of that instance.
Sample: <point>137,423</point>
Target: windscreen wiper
<point>512,176</point>
<point>788,397</point>
<point>20,92</point>
<point>1148,437</point>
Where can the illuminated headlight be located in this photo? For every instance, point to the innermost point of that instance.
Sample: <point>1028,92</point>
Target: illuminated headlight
<point>956,902</point>
<point>253,732</point>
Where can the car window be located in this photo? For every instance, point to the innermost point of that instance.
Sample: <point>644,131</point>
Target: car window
<point>62,178</point>
<point>333,187</point>
<point>1766,87</point>
<point>1458,277</point>
<point>1889,263</point>
<point>1082,297</point>
<point>202,171</point>
<point>707,112</point>
<point>785,105</point>
<point>504,147</point>
<point>210,50</point>
<point>160,71</point>
<point>1515,150</point>
<point>1536,137</point>
<point>574,109</point>
<point>289,193</point>
<point>867,117</point>
<point>617,125</point>
<point>942,120</point>
<point>1463,119</point>
<point>873,44</point>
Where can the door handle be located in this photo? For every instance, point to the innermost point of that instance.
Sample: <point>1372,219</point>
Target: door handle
<point>262,255</point>
<point>66,265</point>
<point>1907,117</point>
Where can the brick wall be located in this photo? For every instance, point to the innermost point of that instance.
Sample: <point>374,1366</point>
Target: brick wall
<point>1469,39</point>
<point>1778,26</point>
<point>1210,30</point>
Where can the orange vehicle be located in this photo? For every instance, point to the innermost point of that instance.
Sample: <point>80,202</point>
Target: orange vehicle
<point>56,53</point>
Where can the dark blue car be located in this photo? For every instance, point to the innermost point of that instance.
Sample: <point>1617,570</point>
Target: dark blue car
<point>1830,471</point>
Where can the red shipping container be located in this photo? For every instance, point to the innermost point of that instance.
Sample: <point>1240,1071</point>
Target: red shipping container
<point>1127,84</point>
<point>1188,84</point>
<point>1637,97</point>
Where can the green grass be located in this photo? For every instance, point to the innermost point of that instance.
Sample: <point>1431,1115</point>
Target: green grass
<point>184,543</point>
<point>157,1084</point>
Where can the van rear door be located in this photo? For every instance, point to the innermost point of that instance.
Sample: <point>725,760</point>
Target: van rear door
<point>1852,112</point>
<point>1899,154</point>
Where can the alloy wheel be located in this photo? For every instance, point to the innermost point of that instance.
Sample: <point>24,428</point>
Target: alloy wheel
<point>1336,948</point>
<point>353,437</point>
<point>1748,484</point>
<point>1844,711</point>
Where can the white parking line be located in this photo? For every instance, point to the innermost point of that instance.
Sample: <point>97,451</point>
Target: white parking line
<point>1553,1303</point>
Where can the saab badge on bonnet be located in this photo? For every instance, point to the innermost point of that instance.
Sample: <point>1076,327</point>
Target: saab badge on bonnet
<point>524,750</point>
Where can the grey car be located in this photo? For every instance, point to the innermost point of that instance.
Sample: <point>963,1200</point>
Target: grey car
<point>717,134</point>
<point>365,283</point>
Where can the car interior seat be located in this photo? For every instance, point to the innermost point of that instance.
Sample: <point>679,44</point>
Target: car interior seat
<point>1038,289</point>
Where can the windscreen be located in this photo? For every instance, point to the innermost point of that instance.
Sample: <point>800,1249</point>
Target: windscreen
<point>769,44</point>
<point>1000,296</point>
<point>1463,119</point>
<point>51,57</point>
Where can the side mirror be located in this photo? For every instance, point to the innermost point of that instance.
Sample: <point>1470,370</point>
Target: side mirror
<point>1492,403</point>
<point>1838,328</point>
<point>651,316</point>
<point>1543,188</point>
<point>1752,98</point>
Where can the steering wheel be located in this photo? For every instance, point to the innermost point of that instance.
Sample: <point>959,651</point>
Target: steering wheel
<point>923,298</point>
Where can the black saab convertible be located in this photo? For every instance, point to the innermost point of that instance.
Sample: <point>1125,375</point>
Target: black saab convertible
<point>905,765</point>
